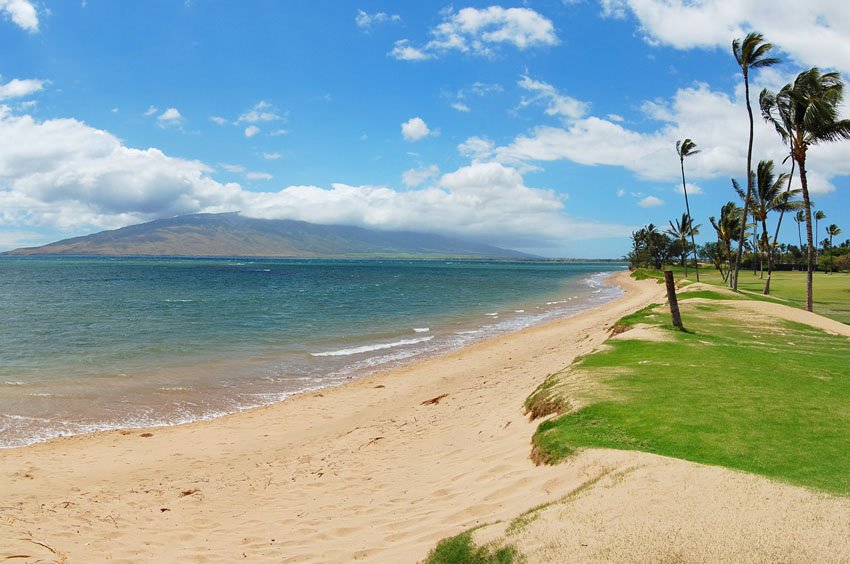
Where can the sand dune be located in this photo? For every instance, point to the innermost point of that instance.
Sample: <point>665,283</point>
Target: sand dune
<point>378,470</point>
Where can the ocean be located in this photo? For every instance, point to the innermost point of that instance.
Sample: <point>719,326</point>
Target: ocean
<point>93,344</point>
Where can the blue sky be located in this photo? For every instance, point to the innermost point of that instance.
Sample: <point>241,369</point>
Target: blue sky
<point>548,126</point>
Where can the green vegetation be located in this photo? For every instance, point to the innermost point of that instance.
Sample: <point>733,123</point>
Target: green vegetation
<point>762,395</point>
<point>462,549</point>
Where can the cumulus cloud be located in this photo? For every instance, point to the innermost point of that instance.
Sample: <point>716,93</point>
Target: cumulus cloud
<point>169,117</point>
<point>64,174</point>
<point>650,202</point>
<point>17,88</point>
<point>416,176</point>
<point>218,120</point>
<point>251,130</point>
<point>21,12</point>
<point>415,129</point>
<point>479,31</point>
<point>366,21</point>
<point>811,33</point>
<point>460,106</point>
<point>715,120</point>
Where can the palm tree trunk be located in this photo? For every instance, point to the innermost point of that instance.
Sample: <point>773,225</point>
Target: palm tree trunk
<point>807,204</point>
<point>690,217</point>
<point>734,277</point>
<point>776,235</point>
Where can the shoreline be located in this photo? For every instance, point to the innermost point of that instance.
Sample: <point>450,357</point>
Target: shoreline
<point>341,377</point>
<point>380,467</point>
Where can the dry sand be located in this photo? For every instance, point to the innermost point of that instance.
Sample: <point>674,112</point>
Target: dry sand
<point>371,470</point>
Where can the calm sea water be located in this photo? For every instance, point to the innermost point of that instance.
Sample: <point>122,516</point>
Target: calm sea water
<point>91,344</point>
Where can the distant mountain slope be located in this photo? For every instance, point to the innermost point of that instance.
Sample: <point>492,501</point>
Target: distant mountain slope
<point>230,234</point>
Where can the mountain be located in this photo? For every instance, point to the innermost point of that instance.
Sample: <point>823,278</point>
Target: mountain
<point>232,235</point>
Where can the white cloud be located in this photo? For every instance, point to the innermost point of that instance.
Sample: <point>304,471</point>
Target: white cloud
<point>262,111</point>
<point>218,120</point>
<point>272,156</point>
<point>476,148</point>
<point>21,12</point>
<point>651,202</point>
<point>151,111</point>
<point>478,32</point>
<point>404,51</point>
<point>615,117</point>
<point>416,176</point>
<point>169,116</point>
<point>17,88</point>
<point>715,120</point>
<point>278,132</point>
<point>811,33</point>
<point>557,104</point>
<point>477,89</point>
<point>65,174</point>
<point>366,21</point>
<point>621,193</point>
<point>693,189</point>
<point>258,176</point>
<point>415,129</point>
<point>251,130</point>
<point>236,169</point>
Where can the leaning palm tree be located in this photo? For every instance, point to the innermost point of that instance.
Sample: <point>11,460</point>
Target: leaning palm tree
<point>819,215</point>
<point>680,231</point>
<point>805,113</point>
<point>751,53</point>
<point>684,149</point>
<point>770,197</point>
<point>728,230</point>
<point>832,231</point>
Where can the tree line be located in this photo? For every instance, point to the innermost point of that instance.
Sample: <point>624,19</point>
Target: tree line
<point>804,113</point>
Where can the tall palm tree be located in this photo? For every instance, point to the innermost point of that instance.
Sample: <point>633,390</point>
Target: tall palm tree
<point>770,197</point>
<point>751,53</point>
<point>684,149</point>
<point>819,215</point>
<point>805,113</point>
<point>832,231</point>
<point>681,230</point>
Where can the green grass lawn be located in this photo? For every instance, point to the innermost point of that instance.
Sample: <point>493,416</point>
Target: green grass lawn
<point>831,292</point>
<point>761,395</point>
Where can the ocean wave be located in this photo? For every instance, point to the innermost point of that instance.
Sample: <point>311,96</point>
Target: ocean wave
<point>421,329</point>
<point>370,348</point>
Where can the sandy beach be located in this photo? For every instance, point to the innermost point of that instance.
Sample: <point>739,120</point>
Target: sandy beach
<point>383,468</point>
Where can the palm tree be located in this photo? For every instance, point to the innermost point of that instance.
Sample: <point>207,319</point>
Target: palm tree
<point>728,230</point>
<point>800,217</point>
<point>832,231</point>
<point>681,230</point>
<point>819,215</point>
<point>770,197</point>
<point>751,53</point>
<point>805,113</point>
<point>684,149</point>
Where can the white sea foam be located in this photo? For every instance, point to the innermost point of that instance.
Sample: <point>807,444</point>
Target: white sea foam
<point>370,348</point>
<point>421,329</point>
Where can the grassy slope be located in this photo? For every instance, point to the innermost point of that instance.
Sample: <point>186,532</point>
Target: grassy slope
<point>765,396</point>
<point>831,292</point>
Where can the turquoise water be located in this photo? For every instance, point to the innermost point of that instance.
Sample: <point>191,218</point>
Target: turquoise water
<point>89,344</point>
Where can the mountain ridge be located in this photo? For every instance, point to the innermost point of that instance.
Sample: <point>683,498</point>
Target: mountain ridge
<point>233,235</point>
